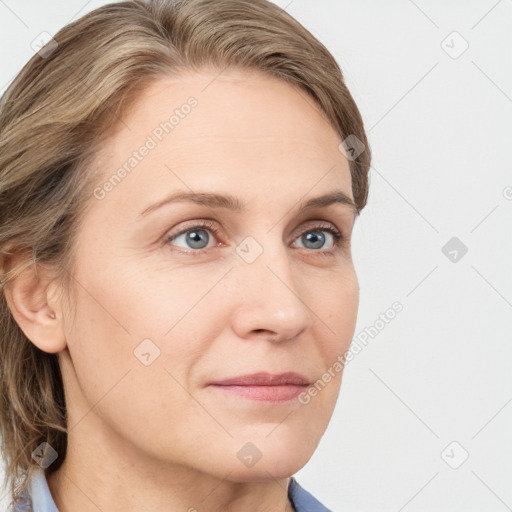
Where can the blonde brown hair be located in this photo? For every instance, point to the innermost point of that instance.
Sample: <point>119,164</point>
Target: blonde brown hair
<point>52,119</point>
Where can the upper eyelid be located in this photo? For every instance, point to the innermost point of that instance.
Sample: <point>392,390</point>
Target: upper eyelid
<point>210,224</point>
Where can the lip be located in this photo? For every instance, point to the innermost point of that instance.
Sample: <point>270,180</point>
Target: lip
<point>265,379</point>
<point>264,387</point>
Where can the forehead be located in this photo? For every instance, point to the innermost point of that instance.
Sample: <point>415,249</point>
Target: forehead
<point>235,104</point>
<point>232,130</point>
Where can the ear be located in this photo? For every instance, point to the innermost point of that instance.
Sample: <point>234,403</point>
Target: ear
<point>34,304</point>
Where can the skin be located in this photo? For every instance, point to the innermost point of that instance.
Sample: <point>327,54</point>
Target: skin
<point>157,437</point>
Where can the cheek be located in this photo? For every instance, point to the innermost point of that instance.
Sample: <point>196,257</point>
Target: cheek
<point>98,345</point>
<point>335,311</point>
<point>155,326</point>
<point>336,308</point>
<point>125,392</point>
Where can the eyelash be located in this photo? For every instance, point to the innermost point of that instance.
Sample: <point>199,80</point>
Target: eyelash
<point>339,239</point>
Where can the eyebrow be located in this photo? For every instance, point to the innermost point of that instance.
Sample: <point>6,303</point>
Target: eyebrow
<point>230,202</point>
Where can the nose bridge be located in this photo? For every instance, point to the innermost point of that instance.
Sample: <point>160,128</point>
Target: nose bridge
<point>265,257</point>
<point>271,293</point>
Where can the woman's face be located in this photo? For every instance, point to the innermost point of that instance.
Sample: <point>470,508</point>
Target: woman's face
<point>164,307</point>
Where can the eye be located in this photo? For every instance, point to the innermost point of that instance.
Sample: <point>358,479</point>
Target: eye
<point>196,238</point>
<point>314,238</point>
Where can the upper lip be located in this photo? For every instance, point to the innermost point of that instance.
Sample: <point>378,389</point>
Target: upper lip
<point>265,379</point>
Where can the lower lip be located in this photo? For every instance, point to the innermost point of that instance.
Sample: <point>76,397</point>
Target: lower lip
<point>283,393</point>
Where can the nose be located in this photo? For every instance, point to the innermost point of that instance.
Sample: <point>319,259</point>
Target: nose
<point>270,301</point>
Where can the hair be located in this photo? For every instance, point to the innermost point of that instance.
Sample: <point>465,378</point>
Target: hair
<point>53,117</point>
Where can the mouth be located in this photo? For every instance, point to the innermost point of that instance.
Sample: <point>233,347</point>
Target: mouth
<point>264,387</point>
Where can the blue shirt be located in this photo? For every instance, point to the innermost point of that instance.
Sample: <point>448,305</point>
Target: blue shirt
<point>42,500</point>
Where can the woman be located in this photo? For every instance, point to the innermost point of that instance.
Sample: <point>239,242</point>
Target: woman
<point>179,182</point>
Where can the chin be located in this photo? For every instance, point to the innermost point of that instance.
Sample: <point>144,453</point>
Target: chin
<point>265,472</point>
<point>269,458</point>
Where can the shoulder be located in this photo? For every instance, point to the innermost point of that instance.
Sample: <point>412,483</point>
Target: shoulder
<point>302,500</point>
<point>39,498</point>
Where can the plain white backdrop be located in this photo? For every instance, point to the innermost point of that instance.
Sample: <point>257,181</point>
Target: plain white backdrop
<point>424,418</point>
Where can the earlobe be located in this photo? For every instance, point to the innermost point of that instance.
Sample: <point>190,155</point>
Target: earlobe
<point>35,311</point>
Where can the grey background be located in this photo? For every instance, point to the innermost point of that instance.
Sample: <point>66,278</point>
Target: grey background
<point>440,130</point>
